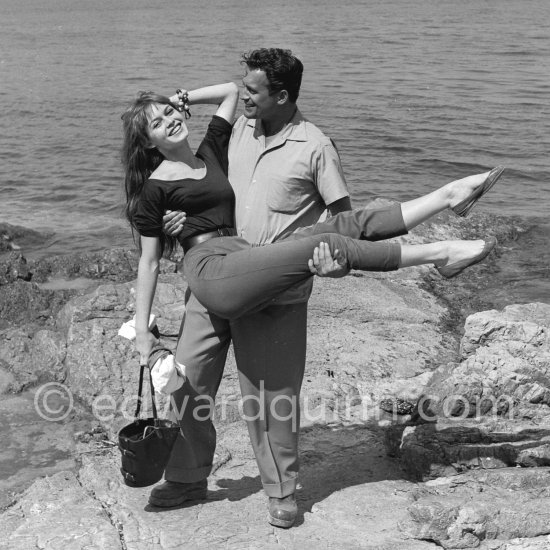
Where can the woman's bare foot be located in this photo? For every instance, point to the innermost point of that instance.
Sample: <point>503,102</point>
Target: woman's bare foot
<point>460,190</point>
<point>463,254</point>
<point>458,251</point>
<point>463,207</point>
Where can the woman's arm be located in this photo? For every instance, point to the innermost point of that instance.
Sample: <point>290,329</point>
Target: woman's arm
<point>145,292</point>
<point>226,96</point>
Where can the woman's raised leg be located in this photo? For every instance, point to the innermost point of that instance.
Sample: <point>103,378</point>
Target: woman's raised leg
<point>371,223</point>
<point>375,223</point>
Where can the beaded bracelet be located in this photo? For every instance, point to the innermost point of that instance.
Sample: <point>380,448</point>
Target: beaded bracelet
<point>184,102</point>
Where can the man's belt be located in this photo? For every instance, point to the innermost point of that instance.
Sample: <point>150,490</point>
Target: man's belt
<point>190,242</point>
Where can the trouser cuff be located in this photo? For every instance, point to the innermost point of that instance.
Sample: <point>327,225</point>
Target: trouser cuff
<point>184,475</point>
<point>280,490</point>
<point>394,256</point>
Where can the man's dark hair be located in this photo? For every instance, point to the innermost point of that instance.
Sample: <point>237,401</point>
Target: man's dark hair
<point>282,69</point>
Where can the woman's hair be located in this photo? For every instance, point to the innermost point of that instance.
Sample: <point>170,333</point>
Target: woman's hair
<point>140,159</point>
<point>282,69</point>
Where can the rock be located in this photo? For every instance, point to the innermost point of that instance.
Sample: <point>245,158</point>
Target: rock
<point>377,338</point>
<point>56,512</point>
<point>52,282</point>
<point>397,406</point>
<point>7,381</point>
<point>38,437</point>
<point>371,338</point>
<point>492,409</point>
<point>114,264</point>
<point>449,447</point>
<point>12,267</point>
<point>31,357</point>
<point>100,364</point>
<point>359,507</point>
<point>518,323</point>
<point>535,543</point>
<point>94,361</point>
<point>482,506</point>
<point>24,303</point>
<point>9,234</point>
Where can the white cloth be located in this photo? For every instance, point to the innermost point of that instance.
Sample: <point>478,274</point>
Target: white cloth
<point>168,375</point>
<point>128,329</point>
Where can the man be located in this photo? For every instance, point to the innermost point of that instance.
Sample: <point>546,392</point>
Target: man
<point>285,173</point>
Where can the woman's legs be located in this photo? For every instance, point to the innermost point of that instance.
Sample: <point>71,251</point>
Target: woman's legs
<point>231,278</point>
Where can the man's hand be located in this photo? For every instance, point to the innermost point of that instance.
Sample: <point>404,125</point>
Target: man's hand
<point>172,222</point>
<point>323,264</point>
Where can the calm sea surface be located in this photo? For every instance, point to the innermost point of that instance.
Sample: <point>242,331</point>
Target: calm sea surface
<point>415,93</point>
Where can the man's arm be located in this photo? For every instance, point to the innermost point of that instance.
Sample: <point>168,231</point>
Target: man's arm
<point>331,177</point>
<point>323,264</point>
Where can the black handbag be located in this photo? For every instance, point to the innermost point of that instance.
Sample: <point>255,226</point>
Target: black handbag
<point>146,443</point>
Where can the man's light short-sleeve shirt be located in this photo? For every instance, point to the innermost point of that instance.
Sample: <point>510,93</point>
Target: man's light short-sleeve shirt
<point>285,185</point>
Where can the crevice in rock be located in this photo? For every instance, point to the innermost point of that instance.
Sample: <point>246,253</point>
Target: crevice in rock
<point>114,522</point>
<point>436,542</point>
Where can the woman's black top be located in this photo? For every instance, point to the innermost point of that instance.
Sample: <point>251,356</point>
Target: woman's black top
<point>208,202</point>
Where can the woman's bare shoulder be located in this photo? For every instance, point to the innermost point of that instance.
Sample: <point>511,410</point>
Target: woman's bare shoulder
<point>177,171</point>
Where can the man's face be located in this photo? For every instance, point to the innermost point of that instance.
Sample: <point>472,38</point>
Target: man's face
<point>258,101</point>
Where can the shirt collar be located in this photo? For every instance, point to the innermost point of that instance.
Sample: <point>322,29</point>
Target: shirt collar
<point>294,130</point>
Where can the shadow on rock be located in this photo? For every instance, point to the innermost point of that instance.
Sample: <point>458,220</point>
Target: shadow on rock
<point>228,489</point>
<point>334,458</point>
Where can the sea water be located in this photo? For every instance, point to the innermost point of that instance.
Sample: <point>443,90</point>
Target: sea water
<point>414,94</point>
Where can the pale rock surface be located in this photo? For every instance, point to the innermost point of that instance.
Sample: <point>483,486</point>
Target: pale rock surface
<point>492,409</point>
<point>345,474</point>
<point>372,339</point>
<point>479,508</point>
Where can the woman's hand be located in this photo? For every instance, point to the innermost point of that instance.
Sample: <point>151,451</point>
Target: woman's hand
<point>225,96</point>
<point>144,344</point>
<point>176,97</point>
<point>180,98</point>
<point>323,264</point>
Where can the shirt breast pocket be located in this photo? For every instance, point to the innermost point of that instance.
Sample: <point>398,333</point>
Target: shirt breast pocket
<point>287,197</point>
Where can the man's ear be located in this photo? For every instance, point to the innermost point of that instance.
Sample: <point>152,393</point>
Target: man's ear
<point>282,97</point>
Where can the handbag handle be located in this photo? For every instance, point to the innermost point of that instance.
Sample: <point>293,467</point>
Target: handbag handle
<point>140,391</point>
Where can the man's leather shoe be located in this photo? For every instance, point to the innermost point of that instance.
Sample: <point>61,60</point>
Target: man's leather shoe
<point>173,493</point>
<point>282,511</point>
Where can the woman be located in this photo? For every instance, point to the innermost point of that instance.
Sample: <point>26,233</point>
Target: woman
<point>227,275</point>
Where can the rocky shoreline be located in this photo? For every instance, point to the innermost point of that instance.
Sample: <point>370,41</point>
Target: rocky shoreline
<point>425,413</point>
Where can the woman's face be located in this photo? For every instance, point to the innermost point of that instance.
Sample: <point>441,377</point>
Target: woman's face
<point>166,127</point>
